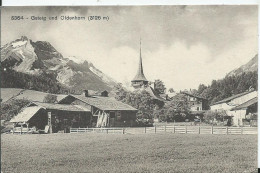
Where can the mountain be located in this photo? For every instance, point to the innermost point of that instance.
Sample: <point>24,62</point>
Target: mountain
<point>39,63</point>
<point>237,81</point>
<point>251,66</point>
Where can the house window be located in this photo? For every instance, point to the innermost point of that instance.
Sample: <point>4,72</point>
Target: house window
<point>118,115</point>
<point>198,108</point>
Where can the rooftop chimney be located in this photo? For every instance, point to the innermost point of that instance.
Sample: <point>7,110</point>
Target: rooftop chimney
<point>85,92</point>
<point>104,93</point>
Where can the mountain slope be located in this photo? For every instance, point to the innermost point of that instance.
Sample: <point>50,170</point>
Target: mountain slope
<point>41,60</point>
<point>235,82</point>
<point>251,66</point>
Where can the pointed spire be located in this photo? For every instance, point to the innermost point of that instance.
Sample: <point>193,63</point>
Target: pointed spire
<point>140,73</point>
<point>140,61</point>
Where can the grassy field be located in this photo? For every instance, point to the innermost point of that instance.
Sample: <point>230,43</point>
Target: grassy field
<point>128,153</point>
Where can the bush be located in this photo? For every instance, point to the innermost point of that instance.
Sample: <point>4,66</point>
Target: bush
<point>214,116</point>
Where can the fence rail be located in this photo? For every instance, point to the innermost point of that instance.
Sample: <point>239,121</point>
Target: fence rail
<point>19,130</point>
<point>172,129</point>
<point>97,130</point>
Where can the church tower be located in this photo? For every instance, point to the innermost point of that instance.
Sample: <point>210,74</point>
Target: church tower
<point>139,79</point>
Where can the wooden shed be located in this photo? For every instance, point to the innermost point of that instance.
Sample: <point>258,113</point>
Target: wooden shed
<point>59,117</point>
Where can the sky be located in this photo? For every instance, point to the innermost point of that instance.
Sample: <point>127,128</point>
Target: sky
<point>183,46</point>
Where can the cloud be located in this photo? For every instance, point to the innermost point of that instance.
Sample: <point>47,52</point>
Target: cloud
<point>182,45</point>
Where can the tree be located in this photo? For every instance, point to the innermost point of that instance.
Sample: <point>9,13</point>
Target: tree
<point>175,110</point>
<point>230,85</point>
<point>50,98</point>
<point>211,116</point>
<point>201,88</point>
<point>142,101</point>
<point>119,92</point>
<point>159,87</point>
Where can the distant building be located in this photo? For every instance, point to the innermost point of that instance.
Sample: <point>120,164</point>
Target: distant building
<point>140,83</point>
<point>238,106</point>
<point>235,100</point>
<point>196,103</point>
<point>246,113</point>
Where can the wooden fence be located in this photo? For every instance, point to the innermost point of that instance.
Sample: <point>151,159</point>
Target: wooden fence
<point>19,130</point>
<point>97,130</point>
<point>172,129</point>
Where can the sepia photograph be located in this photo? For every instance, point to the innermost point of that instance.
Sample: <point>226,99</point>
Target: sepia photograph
<point>144,88</point>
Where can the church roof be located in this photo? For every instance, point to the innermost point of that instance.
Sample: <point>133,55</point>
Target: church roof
<point>140,73</point>
<point>151,91</point>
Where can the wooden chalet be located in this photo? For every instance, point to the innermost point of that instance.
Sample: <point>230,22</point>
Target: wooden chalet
<point>106,111</point>
<point>197,104</point>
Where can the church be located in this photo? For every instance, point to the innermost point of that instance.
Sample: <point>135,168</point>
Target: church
<point>140,83</point>
<point>140,80</point>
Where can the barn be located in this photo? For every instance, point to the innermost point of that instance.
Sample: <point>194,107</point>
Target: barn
<point>245,113</point>
<point>106,111</point>
<point>56,117</point>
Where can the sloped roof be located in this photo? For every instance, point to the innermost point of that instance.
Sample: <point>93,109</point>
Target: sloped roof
<point>62,107</point>
<point>8,93</point>
<point>36,95</point>
<point>32,95</point>
<point>192,95</point>
<point>26,114</point>
<point>151,91</point>
<point>246,104</point>
<point>232,97</point>
<point>153,94</point>
<point>104,103</point>
<point>139,77</point>
<point>197,112</point>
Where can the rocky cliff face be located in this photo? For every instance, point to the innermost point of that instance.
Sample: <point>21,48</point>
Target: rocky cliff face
<point>36,58</point>
<point>251,66</point>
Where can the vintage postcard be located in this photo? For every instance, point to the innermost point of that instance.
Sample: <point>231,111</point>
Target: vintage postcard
<point>162,88</point>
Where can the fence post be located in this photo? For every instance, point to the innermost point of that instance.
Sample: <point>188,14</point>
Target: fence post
<point>199,129</point>
<point>241,130</point>
<point>185,129</point>
<point>173,129</point>
<point>165,128</point>
<point>227,130</point>
<point>144,129</point>
<point>107,131</point>
<point>13,128</point>
<point>154,129</point>
<point>21,129</point>
<point>212,129</point>
<point>123,131</point>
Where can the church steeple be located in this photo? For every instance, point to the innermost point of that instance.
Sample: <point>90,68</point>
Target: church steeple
<point>139,79</point>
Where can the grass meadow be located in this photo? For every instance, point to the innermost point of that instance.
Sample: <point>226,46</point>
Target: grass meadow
<point>88,152</point>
